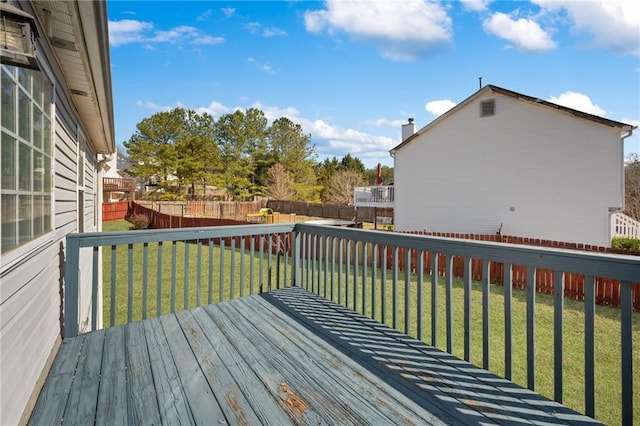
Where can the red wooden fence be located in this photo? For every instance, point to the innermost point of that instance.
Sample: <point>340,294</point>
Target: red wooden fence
<point>114,211</point>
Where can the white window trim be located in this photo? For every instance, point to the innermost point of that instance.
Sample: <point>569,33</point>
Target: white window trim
<point>15,257</point>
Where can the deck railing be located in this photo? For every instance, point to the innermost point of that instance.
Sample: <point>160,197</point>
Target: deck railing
<point>351,267</point>
<point>206,265</point>
<point>373,196</point>
<point>624,226</point>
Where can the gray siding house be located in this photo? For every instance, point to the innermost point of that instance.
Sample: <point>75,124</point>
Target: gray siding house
<point>57,125</point>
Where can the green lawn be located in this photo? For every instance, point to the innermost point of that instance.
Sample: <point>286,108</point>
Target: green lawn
<point>607,351</point>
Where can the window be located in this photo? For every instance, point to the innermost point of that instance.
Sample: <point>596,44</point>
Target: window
<point>487,108</point>
<point>25,157</point>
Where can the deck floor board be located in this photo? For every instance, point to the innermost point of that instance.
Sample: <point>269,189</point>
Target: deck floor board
<point>112,395</point>
<point>283,357</point>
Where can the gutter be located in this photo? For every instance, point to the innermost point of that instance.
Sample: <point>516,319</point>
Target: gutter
<point>629,132</point>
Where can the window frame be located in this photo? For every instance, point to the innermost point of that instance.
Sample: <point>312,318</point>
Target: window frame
<point>44,148</point>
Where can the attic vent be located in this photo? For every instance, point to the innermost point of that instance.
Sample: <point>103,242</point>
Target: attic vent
<point>488,108</point>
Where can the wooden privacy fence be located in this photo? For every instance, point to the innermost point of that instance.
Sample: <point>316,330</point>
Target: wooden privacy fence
<point>329,211</point>
<point>115,211</point>
<point>223,209</point>
<point>160,220</point>
<point>237,210</point>
<point>607,290</point>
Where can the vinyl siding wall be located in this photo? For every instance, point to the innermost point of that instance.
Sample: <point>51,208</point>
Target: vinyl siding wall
<point>30,286</point>
<point>535,171</point>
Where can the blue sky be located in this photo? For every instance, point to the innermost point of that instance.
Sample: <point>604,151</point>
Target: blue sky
<point>352,71</point>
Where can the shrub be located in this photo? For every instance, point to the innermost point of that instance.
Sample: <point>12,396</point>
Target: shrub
<point>140,221</point>
<point>626,243</point>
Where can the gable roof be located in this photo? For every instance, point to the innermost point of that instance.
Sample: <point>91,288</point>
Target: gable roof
<point>519,96</point>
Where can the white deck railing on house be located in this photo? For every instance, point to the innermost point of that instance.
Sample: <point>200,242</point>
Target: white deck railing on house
<point>624,226</point>
<point>373,196</point>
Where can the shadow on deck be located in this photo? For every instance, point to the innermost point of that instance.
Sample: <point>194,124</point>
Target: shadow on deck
<point>283,357</point>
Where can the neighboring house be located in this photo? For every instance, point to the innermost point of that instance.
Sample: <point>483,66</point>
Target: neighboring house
<point>503,162</point>
<point>115,185</point>
<point>57,117</point>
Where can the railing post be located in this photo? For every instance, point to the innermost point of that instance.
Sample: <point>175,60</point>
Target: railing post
<point>71,264</point>
<point>295,263</point>
<point>626,336</point>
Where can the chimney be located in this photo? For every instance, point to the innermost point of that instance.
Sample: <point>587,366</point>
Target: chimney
<point>408,129</point>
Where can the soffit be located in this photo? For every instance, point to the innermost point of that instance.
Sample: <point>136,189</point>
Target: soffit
<point>77,32</point>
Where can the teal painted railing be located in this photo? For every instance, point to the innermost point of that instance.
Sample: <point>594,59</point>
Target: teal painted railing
<point>386,276</point>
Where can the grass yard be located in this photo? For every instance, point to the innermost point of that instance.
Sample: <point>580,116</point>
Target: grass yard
<point>204,285</point>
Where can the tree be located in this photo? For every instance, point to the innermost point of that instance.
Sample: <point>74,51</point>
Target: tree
<point>152,148</point>
<point>279,184</point>
<point>234,148</point>
<point>632,186</point>
<point>255,131</point>
<point>340,187</point>
<point>352,163</point>
<point>198,156</point>
<point>291,148</point>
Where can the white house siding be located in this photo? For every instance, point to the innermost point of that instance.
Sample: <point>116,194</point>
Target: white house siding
<point>531,169</point>
<point>30,286</point>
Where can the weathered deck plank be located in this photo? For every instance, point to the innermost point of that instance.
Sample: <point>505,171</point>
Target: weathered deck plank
<point>142,403</point>
<point>204,406</point>
<point>81,407</point>
<point>264,404</point>
<point>112,395</point>
<point>172,402</point>
<point>285,357</point>
<point>230,398</point>
<point>55,393</point>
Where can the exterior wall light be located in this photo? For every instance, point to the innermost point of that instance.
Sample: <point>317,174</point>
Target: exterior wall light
<point>17,37</point>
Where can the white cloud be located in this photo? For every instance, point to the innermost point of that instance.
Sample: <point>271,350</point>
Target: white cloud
<point>228,11</point>
<point>439,107</point>
<point>205,15</point>
<point>400,33</point>
<point>579,102</point>
<point>384,122</point>
<point>332,140</point>
<point>253,27</point>
<point>475,5</point>
<point>207,40</point>
<point>273,32</point>
<point>611,24</point>
<point>131,31</point>
<point>127,31</point>
<point>632,121</point>
<point>525,34</point>
<point>215,109</point>
<point>256,27</point>
<point>266,67</point>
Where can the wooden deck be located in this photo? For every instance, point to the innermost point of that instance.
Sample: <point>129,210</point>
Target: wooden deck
<point>284,357</point>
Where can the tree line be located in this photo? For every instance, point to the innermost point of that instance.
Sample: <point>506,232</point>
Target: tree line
<point>182,153</point>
